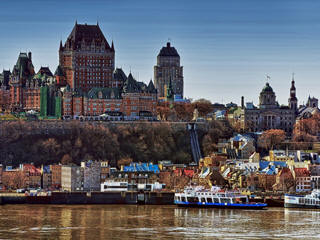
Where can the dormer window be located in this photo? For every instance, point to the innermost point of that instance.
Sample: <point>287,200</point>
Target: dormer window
<point>100,95</point>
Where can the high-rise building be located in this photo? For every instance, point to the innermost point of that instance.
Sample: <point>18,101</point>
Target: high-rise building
<point>168,68</point>
<point>86,58</point>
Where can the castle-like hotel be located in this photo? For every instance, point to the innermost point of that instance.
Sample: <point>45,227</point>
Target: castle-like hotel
<point>86,82</point>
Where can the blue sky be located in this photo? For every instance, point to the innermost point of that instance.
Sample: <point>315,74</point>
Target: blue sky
<point>226,47</point>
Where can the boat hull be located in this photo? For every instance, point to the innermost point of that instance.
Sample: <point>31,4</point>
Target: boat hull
<point>254,206</point>
<point>294,205</point>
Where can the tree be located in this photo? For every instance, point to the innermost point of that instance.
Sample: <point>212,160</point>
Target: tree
<point>66,159</point>
<point>271,138</point>
<point>204,106</point>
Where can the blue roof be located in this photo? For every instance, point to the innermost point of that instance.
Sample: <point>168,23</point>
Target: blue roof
<point>46,169</point>
<point>270,167</point>
<point>141,167</point>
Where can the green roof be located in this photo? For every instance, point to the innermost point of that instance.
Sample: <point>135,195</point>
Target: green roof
<point>267,88</point>
<point>107,93</point>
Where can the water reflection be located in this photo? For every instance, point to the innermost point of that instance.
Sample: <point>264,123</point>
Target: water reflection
<point>157,222</point>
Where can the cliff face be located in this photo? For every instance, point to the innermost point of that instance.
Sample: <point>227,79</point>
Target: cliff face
<point>46,142</point>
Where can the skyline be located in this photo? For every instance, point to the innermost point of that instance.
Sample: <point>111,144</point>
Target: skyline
<point>220,44</point>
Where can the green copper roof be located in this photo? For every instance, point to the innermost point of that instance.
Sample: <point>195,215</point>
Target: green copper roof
<point>131,85</point>
<point>267,88</point>
<point>105,93</point>
<point>23,67</point>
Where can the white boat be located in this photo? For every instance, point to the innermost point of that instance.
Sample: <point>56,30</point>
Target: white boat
<point>311,200</point>
<point>215,198</point>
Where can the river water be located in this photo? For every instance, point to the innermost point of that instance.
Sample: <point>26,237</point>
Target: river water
<point>154,222</point>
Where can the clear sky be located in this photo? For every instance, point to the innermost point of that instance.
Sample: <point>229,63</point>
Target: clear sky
<point>226,47</point>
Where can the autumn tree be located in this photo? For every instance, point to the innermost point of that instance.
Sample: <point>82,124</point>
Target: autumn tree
<point>204,106</point>
<point>271,138</point>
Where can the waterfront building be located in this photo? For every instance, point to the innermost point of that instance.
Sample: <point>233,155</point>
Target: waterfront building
<point>32,175</point>
<point>105,170</point>
<point>92,173</point>
<point>86,59</point>
<point>168,69</point>
<point>269,114</point>
<point>46,181</point>
<point>71,178</point>
<point>56,176</point>
<point>302,179</point>
<point>13,178</point>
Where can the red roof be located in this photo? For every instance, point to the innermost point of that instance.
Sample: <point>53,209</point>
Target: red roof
<point>31,169</point>
<point>188,173</point>
<point>302,172</point>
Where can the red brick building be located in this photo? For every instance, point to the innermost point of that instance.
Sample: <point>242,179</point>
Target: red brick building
<point>85,77</point>
<point>86,58</point>
<point>55,176</point>
<point>135,100</point>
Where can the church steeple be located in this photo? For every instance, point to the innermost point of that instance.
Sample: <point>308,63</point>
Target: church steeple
<point>293,101</point>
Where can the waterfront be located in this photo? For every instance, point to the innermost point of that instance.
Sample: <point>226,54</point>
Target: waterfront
<point>154,222</point>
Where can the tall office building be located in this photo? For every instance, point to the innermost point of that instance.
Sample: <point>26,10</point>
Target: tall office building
<point>168,69</point>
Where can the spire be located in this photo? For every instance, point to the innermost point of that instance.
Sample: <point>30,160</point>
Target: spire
<point>76,22</point>
<point>112,48</point>
<point>60,48</point>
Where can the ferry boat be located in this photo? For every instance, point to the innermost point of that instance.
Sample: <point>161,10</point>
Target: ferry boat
<point>215,198</point>
<point>311,200</point>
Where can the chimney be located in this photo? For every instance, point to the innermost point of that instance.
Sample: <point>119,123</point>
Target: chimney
<point>168,44</point>
<point>29,56</point>
<point>242,102</point>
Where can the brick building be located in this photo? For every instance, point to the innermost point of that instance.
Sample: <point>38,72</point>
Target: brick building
<point>133,100</point>
<point>86,58</point>
<point>55,176</point>
<point>85,82</point>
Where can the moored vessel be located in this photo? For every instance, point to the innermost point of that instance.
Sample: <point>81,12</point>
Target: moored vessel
<point>311,200</point>
<point>214,198</point>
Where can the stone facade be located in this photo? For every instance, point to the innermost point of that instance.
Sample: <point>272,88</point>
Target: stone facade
<point>269,115</point>
<point>71,178</point>
<point>92,172</point>
<point>168,69</point>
